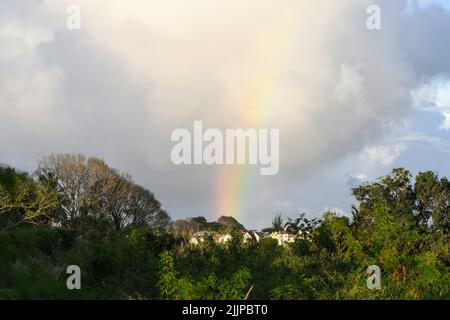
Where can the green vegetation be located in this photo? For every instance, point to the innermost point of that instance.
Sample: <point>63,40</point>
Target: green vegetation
<point>78,211</point>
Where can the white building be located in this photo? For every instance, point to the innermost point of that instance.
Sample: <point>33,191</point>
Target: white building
<point>251,236</point>
<point>224,238</point>
<point>283,237</point>
<point>196,241</point>
<point>198,238</point>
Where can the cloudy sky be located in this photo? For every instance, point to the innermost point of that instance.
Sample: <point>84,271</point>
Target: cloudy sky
<point>351,103</point>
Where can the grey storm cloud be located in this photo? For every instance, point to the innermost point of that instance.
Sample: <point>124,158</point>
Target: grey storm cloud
<point>119,86</point>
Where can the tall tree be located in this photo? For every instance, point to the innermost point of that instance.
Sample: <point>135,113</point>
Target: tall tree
<point>277,222</point>
<point>90,188</point>
<point>145,209</point>
<point>432,201</point>
<point>69,175</point>
<point>302,225</point>
<point>393,192</point>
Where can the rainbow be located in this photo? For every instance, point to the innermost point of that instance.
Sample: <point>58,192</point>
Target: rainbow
<point>255,108</point>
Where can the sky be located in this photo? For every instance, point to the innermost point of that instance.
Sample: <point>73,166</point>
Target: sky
<point>350,103</point>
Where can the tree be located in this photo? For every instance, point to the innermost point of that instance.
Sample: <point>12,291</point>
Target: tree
<point>146,210</point>
<point>186,227</point>
<point>230,223</point>
<point>393,192</point>
<point>426,203</point>
<point>69,175</point>
<point>277,223</point>
<point>111,194</point>
<point>302,225</point>
<point>90,188</point>
<point>432,201</point>
<point>23,200</point>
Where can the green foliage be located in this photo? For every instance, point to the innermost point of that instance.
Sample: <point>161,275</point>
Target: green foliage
<point>208,288</point>
<point>399,224</point>
<point>23,200</point>
<point>301,225</point>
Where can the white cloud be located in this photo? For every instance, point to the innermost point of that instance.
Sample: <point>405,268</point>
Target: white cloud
<point>435,96</point>
<point>383,155</point>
